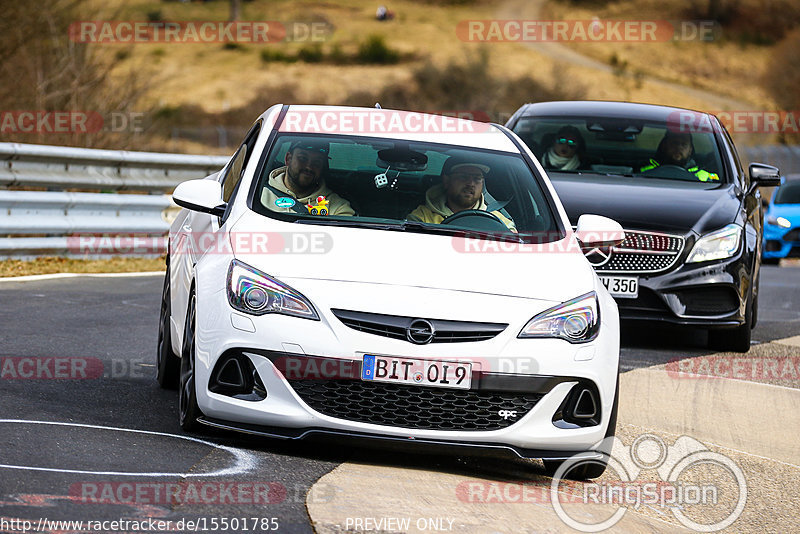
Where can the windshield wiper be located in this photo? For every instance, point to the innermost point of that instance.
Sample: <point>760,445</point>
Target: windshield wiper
<point>324,221</point>
<point>464,232</point>
<point>585,172</point>
<point>414,226</point>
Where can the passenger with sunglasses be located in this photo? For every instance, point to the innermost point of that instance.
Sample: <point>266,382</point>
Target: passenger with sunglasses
<point>566,152</point>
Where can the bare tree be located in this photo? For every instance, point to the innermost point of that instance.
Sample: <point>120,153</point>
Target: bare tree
<point>53,72</point>
<point>235,10</point>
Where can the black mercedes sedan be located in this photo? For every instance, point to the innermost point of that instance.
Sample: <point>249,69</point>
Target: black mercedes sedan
<point>672,178</point>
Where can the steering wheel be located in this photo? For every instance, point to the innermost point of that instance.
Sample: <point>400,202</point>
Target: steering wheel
<point>476,219</point>
<point>669,171</point>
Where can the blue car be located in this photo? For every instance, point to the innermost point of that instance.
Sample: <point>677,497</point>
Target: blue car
<point>782,224</point>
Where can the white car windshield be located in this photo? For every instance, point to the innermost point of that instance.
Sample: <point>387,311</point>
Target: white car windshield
<point>391,184</point>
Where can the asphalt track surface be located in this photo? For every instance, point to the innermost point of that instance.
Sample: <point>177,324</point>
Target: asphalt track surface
<point>93,340</point>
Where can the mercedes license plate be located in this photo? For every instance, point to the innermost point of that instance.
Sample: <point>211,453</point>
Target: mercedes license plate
<point>626,287</point>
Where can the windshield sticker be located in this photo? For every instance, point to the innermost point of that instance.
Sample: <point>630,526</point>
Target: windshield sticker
<point>284,202</point>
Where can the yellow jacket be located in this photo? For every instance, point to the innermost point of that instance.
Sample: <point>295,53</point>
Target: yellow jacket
<point>337,205</point>
<point>435,209</point>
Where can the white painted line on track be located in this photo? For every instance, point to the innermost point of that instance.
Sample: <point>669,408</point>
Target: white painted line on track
<point>245,461</point>
<point>55,276</point>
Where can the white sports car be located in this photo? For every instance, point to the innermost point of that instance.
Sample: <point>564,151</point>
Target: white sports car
<point>391,275</point>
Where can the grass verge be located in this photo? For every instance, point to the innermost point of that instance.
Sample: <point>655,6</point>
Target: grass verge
<point>49,265</point>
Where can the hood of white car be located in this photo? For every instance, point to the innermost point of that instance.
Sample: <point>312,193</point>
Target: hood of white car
<point>554,272</point>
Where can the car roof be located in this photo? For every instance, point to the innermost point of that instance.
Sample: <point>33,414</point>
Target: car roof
<point>408,125</point>
<point>598,108</point>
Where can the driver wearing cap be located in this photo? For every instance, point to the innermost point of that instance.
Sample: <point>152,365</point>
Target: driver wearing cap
<point>300,181</point>
<point>461,189</point>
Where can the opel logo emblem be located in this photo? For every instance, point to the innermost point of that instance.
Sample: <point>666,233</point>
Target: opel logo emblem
<point>598,256</point>
<point>420,331</point>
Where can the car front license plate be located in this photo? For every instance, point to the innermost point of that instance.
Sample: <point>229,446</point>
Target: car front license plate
<point>432,373</point>
<point>621,286</point>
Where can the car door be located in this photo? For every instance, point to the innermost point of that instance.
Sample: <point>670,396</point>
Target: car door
<point>751,211</point>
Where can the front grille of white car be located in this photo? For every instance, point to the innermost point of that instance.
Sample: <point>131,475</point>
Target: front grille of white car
<point>640,252</point>
<point>405,406</point>
<point>396,327</point>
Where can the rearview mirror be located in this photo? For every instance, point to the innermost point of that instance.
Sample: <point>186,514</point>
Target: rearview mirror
<point>204,196</point>
<point>401,159</point>
<point>765,175</point>
<point>599,231</point>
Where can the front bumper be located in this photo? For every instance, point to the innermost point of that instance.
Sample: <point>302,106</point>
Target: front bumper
<point>781,242</point>
<point>439,446</point>
<point>709,295</point>
<point>550,367</point>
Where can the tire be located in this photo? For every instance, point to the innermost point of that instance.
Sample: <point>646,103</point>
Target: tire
<point>188,410</point>
<point>168,364</point>
<point>588,469</point>
<point>755,313</point>
<point>734,339</point>
<point>770,261</point>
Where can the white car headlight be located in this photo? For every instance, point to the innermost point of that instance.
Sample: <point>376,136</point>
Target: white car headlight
<point>577,321</point>
<point>783,222</point>
<point>717,245</point>
<point>256,293</point>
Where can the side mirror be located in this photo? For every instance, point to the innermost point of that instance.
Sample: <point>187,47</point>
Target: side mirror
<point>204,196</point>
<point>599,231</point>
<point>764,175</point>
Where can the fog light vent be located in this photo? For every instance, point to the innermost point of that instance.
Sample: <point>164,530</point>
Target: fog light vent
<point>581,407</point>
<point>235,376</point>
<point>230,374</point>
<point>585,408</point>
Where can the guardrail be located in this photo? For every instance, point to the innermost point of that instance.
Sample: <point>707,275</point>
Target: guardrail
<point>48,222</point>
<point>51,222</point>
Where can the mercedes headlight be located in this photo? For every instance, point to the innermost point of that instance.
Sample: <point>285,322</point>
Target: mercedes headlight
<point>256,293</point>
<point>716,245</point>
<point>577,321</point>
